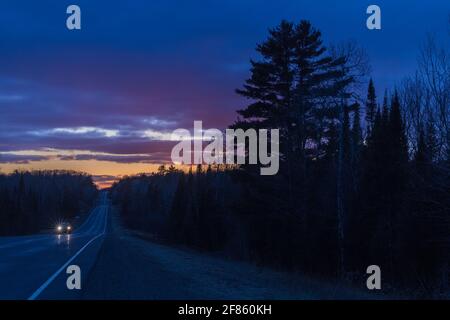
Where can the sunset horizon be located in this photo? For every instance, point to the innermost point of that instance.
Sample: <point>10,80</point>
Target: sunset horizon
<point>224,159</point>
<point>106,107</point>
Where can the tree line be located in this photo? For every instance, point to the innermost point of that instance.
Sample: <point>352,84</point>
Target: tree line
<point>362,180</point>
<point>34,201</point>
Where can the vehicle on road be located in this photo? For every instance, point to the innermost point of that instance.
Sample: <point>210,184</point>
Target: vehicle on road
<point>63,228</point>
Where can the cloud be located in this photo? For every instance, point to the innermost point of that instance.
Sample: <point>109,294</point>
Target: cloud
<point>156,122</point>
<point>20,159</point>
<point>120,158</point>
<point>26,156</point>
<point>84,131</point>
<point>156,135</point>
<point>122,85</point>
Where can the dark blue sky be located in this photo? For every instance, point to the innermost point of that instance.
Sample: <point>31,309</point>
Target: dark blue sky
<point>138,69</point>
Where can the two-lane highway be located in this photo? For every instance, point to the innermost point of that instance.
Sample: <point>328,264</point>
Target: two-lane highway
<point>34,267</point>
<point>115,264</point>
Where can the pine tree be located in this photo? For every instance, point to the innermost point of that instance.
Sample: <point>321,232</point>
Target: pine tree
<point>177,216</point>
<point>290,85</point>
<point>271,85</point>
<point>371,107</point>
<point>394,180</point>
<point>356,132</point>
<point>342,187</point>
<point>294,88</point>
<point>398,140</point>
<point>346,136</point>
<point>385,111</point>
<point>356,149</point>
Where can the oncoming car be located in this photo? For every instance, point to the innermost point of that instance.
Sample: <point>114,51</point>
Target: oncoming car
<point>63,228</point>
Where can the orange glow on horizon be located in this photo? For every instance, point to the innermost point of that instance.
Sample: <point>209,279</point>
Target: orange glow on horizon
<point>104,173</point>
<point>115,170</point>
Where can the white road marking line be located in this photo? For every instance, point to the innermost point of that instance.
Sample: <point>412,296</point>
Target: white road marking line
<point>47,283</point>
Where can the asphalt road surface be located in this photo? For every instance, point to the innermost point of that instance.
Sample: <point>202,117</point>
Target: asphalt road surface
<point>115,264</point>
<point>34,267</point>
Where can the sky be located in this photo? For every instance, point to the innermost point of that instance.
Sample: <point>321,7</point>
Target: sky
<point>105,98</point>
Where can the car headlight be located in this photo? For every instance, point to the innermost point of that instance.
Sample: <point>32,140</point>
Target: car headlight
<point>69,227</point>
<point>59,228</point>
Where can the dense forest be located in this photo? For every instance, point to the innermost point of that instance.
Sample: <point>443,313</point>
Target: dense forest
<point>363,179</point>
<point>33,201</point>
